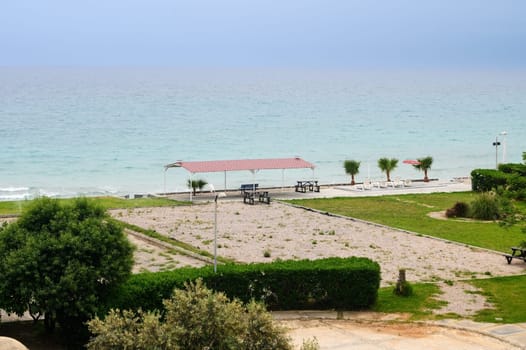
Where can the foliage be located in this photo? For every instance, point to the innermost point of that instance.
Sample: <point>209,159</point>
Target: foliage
<point>516,187</point>
<point>411,212</point>
<point>310,344</point>
<point>524,157</point>
<point>403,289</point>
<point>352,167</point>
<point>331,283</point>
<point>16,207</point>
<point>61,261</point>
<point>387,165</point>
<point>459,210</point>
<point>512,168</point>
<point>484,180</point>
<point>424,165</point>
<point>486,207</point>
<point>194,318</point>
<point>196,184</point>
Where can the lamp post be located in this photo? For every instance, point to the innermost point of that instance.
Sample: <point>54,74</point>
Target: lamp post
<point>496,144</point>
<point>504,133</point>
<point>222,194</point>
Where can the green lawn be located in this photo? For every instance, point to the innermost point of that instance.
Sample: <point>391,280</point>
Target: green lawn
<point>15,207</point>
<point>419,305</point>
<point>507,294</point>
<point>410,212</point>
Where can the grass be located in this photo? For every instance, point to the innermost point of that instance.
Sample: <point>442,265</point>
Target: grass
<point>420,304</point>
<point>508,296</point>
<point>410,212</point>
<point>16,207</point>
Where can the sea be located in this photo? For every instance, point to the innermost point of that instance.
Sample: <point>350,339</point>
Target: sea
<point>70,131</point>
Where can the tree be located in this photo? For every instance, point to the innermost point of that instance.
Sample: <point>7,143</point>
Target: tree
<point>387,165</point>
<point>60,261</point>
<point>196,184</point>
<point>352,167</point>
<point>424,165</point>
<point>195,318</point>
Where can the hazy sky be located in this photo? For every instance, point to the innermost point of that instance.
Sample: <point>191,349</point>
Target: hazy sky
<point>276,33</point>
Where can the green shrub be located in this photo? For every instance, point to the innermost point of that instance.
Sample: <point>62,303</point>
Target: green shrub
<point>403,289</point>
<point>332,283</point>
<point>513,168</point>
<point>484,180</point>
<point>460,210</point>
<point>310,344</point>
<point>517,186</point>
<point>485,207</point>
<point>196,318</point>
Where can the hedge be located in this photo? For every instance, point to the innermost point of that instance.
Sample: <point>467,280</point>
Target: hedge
<point>483,180</point>
<point>513,168</point>
<point>332,283</point>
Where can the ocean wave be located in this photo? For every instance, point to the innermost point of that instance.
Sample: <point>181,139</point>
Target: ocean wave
<point>29,193</point>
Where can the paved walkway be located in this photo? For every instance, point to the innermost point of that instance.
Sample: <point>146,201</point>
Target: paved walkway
<point>337,190</point>
<point>369,330</point>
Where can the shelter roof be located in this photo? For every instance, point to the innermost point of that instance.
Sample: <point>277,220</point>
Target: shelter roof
<point>241,164</point>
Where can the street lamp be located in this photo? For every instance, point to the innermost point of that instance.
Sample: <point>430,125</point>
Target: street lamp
<point>221,194</point>
<point>504,133</point>
<point>496,144</point>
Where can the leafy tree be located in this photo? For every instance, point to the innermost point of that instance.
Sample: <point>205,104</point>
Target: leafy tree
<point>524,157</point>
<point>352,167</point>
<point>60,261</point>
<point>387,165</point>
<point>424,165</point>
<point>196,184</point>
<point>195,318</point>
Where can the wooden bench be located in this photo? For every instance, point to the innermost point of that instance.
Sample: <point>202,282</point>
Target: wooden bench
<point>303,186</point>
<point>248,198</point>
<point>516,253</point>
<point>248,187</point>
<point>264,197</point>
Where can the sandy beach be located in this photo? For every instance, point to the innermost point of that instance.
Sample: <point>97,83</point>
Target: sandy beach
<point>262,233</point>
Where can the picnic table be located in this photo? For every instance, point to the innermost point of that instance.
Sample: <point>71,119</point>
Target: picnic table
<point>516,253</point>
<point>249,197</point>
<point>303,186</point>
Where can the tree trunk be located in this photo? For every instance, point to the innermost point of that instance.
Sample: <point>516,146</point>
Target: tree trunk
<point>352,180</point>
<point>426,179</point>
<point>388,176</point>
<point>49,322</point>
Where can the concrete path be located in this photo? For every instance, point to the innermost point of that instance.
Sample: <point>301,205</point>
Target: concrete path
<point>371,331</point>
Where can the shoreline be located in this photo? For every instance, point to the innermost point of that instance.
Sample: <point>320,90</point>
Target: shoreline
<point>14,194</point>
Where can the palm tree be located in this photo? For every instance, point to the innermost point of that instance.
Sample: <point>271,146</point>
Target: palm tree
<point>424,165</point>
<point>387,165</point>
<point>196,184</point>
<point>352,167</point>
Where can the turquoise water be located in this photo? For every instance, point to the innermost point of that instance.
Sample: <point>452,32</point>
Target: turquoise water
<point>69,131</point>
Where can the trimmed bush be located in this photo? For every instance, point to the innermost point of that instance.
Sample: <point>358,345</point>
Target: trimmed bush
<point>333,283</point>
<point>484,180</point>
<point>513,168</point>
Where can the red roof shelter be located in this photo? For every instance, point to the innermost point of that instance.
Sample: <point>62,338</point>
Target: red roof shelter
<point>252,165</point>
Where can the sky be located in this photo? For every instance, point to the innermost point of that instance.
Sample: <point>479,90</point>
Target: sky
<point>487,34</point>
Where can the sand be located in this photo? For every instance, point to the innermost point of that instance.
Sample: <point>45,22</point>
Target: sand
<point>250,233</point>
<point>262,233</point>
